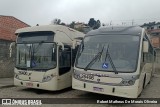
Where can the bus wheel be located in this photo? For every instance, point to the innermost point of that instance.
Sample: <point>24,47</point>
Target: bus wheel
<point>149,81</point>
<point>144,81</point>
<point>150,78</point>
<point>139,95</point>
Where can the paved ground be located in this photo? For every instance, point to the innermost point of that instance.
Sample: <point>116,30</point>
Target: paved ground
<point>6,82</point>
<point>7,90</point>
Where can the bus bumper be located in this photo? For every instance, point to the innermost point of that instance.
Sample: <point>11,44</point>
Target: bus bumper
<point>120,91</point>
<point>50,85</point>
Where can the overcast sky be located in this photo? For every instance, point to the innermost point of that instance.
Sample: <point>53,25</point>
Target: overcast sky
<point>42,12</point>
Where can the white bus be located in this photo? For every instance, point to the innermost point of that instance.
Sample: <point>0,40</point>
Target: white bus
<point>116,61</point>
<point>45,56</point>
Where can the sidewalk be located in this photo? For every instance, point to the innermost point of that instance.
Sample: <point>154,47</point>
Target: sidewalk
<point>4,82</point>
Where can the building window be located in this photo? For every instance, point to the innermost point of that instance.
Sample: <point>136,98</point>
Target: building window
<point>152,28</point>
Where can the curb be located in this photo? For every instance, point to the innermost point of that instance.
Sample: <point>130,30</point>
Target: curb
<point>6,86</point>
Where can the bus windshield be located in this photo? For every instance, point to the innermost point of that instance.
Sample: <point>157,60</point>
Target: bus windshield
<point>36,50</point>
<point>36,55</point>
<point>120,53</point>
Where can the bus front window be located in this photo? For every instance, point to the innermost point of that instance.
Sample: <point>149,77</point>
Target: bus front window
<point>36,56</point>
<point>123,51</point>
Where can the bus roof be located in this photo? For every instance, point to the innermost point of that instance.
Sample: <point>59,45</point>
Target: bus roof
<point>42,28</point>
<point>130,30</point>
<point>54,28</point>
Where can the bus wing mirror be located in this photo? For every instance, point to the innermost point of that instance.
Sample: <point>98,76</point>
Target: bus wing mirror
<point>75,43</point>
<point>61,44</point>
<point>145,46</point>
<point>11,46</point>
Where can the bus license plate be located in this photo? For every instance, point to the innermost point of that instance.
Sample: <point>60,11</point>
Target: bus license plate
<point>98,89</point>
<point>29,84</point>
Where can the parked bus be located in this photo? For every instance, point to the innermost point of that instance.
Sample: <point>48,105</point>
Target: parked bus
<point>116,61</point>
<point>45,56</point>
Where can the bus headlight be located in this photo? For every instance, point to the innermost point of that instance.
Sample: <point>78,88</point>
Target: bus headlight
<point>131,82</point>
<point>75,75</point>
<point>16,76</point>
<point>127,82</point>
<point>124,82</point>
<point>47,78</point>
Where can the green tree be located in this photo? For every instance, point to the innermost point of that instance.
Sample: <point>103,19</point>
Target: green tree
<point>98,24</point>
<point>56,21</point>
<point>80,29</point>
<point>72,24</point>
<point>92,23</point>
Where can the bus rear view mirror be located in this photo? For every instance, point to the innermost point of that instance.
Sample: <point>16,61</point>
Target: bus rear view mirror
<point>61,44</point>
<point>145,46</point>
<point>11,47</point>
<point>75,43</point>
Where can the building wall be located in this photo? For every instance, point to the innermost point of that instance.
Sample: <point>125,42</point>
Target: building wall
<point>6,63</point>
<point>157,26</point>
<point>158,60</point>
<point>155,41</point>
<point>154,35</point>
<point>8,26</point>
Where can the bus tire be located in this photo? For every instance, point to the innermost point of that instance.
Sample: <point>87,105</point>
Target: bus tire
<point>144,81</point>
<point>139,95</point>
<point>150,78</point>
<point>149,82</point>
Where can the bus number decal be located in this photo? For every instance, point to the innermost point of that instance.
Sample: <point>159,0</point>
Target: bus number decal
<point>87,76</point>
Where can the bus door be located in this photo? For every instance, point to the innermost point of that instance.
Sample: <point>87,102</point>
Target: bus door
<point>65,65</point>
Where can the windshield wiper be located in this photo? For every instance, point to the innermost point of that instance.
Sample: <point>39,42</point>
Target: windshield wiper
<point>110,60</point>
<point>98,56</point>
<point>81,48</point>
<point>34,50</point>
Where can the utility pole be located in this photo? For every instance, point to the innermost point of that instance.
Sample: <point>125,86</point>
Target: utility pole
<point>132,22</point>
<point>110,22</point>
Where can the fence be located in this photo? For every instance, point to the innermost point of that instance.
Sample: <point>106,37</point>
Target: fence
<point>158,60</point>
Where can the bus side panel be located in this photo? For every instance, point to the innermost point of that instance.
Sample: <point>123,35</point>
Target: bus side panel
<point>123,91</point>
<point>146,67</point>
<point>65,80</point>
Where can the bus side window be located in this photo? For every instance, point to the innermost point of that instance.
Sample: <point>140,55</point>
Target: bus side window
<point>64,60</point>
<point>148,57</point>
<point>74,52</point>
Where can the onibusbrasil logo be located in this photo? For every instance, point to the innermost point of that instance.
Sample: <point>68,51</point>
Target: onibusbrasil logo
<point>20,102</point>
